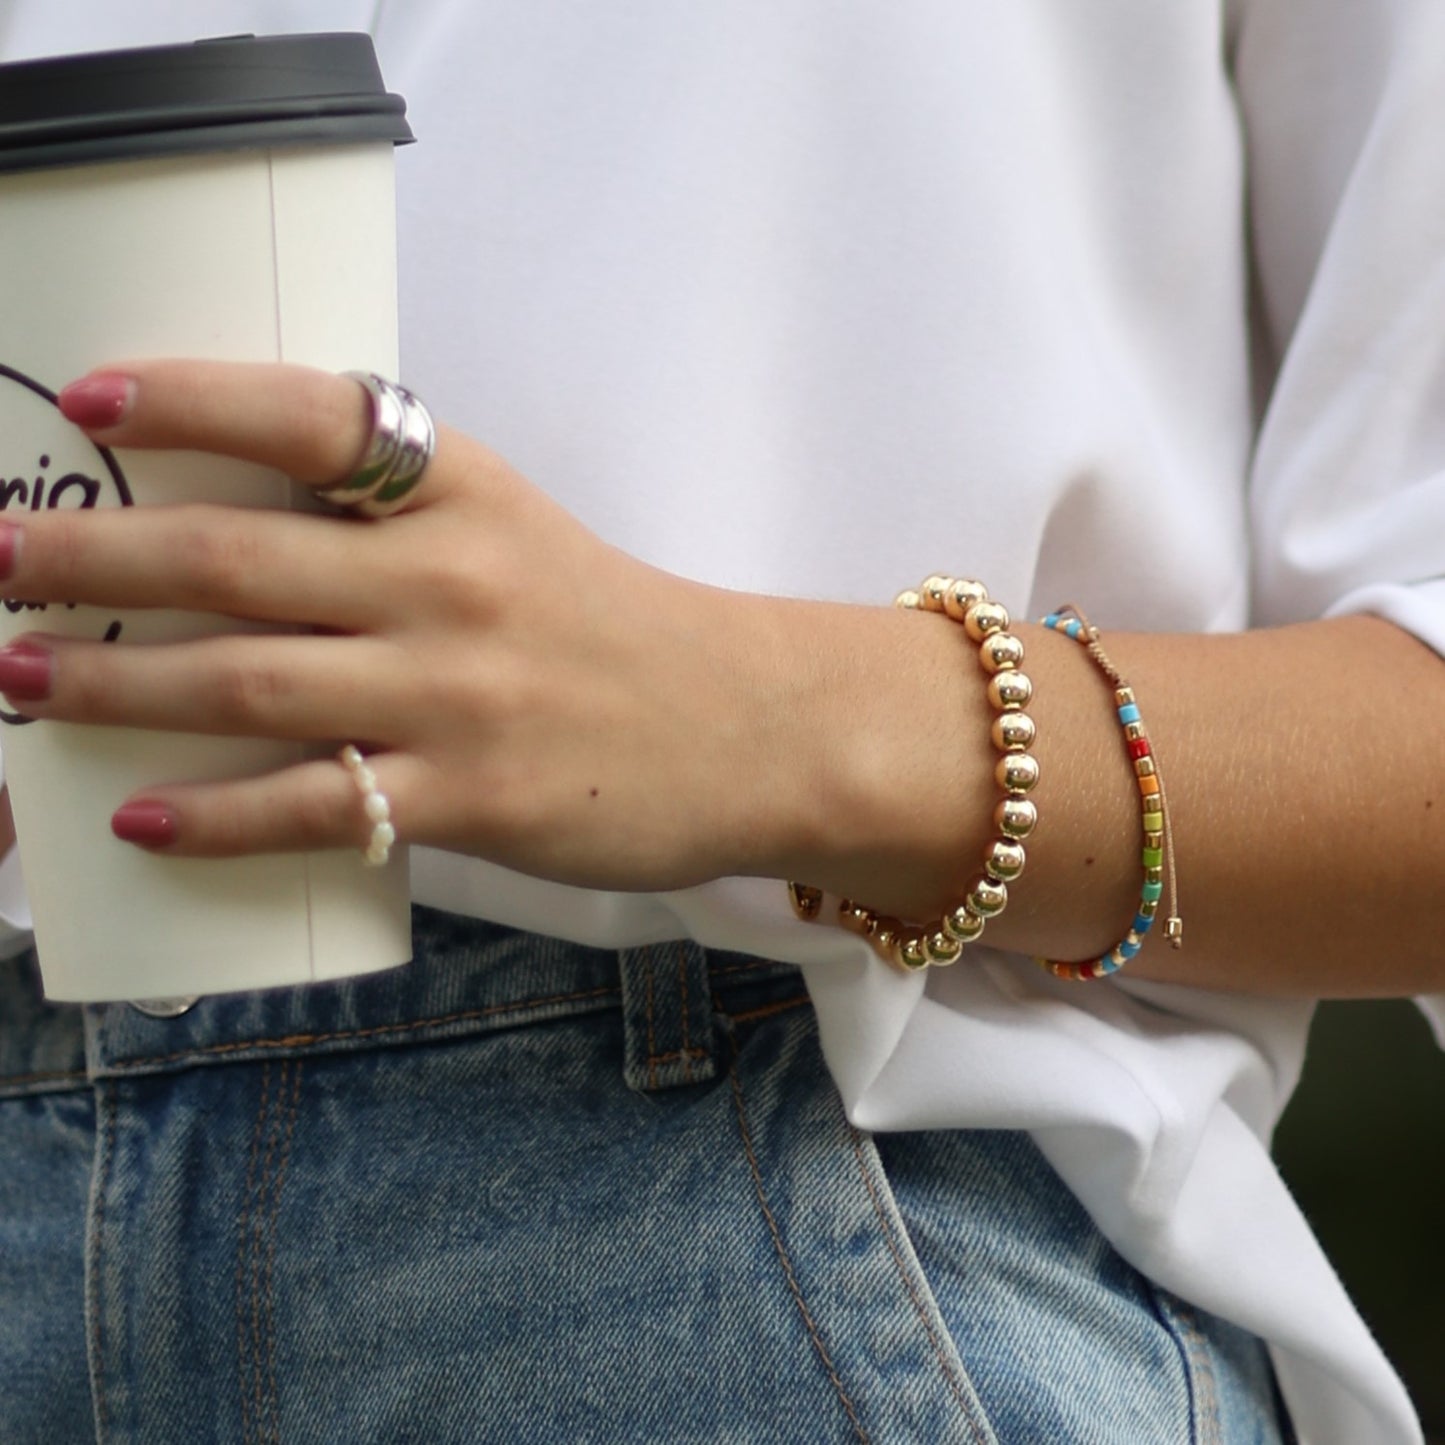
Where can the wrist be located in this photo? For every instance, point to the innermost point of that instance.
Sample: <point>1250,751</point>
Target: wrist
<point>888,793</point>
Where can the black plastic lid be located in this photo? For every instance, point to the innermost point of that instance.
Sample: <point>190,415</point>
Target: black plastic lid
<point>239,93</point>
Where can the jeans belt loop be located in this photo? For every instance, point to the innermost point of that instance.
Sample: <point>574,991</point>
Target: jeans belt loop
<point>668,1033</point>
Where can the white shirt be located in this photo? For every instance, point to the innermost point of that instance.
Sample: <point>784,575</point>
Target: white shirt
<point>817,298</point>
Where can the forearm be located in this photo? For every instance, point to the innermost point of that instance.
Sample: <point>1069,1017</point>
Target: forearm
<point>1301,767</point>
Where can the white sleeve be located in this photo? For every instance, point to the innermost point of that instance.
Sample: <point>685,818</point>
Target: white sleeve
<point>1344,111</point>
<point>1344,114</point>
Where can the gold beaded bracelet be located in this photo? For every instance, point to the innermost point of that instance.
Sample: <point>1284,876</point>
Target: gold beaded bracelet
<point>913,948</point>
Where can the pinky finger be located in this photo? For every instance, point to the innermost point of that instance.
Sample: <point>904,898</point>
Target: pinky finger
<point>305,808</point>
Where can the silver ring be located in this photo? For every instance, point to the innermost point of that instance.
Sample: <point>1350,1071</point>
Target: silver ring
<point>402,443</point>
<point>375,802</point>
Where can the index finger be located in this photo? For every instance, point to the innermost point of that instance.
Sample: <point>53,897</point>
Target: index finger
<point>312,425</point>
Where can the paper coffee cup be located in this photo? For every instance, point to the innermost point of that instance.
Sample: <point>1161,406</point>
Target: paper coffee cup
<point>233,200</point>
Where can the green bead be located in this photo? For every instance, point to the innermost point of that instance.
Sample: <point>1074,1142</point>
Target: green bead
<point>1153,857</point>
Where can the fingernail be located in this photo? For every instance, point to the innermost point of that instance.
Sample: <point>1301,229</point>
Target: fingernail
<point>151,825</point>
<point>25,672</point>
<point>98,402</point>
<point>9,548</point>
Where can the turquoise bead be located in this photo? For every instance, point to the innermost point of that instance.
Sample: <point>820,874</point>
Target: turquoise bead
<point>1129,713</point>
<point>1153,892</point>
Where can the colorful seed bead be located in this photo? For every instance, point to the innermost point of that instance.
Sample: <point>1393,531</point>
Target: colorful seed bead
<point>1072,624</point>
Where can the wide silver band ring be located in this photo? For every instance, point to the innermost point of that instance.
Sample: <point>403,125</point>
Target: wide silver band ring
<point>402,443</point>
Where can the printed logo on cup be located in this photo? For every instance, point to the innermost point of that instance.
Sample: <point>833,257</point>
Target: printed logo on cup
<point>46,464</point>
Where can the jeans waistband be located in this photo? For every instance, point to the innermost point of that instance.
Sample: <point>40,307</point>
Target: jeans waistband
<point>466,977</point>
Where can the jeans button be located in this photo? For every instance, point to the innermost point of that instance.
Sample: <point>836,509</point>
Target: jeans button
<point>165,1008</point>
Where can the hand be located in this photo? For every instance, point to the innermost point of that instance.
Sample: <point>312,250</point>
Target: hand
<point>531,694</point>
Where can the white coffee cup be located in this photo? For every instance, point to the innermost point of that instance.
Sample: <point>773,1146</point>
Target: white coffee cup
<point>232,200</point>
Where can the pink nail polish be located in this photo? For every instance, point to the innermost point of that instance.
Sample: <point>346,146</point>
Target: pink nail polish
<point>9,548</point>
<point>98,402</point>
<point>25,672</point>
<point>151,825</point>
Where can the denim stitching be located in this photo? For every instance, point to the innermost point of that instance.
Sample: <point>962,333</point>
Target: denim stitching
<point>14,1080</point>
<point>682,989</point>
<point>259,1320</point>
<point>97,1255</point>
<point>295,1041</point>
<point>273,1396</point>
<point>1204,1388</point>
<point>792,1280</point>
<point>683,1054</point>
<point>767,1011</point>
<point>651,1034</point>
<point>243,1236</point>
<point>982,1430</point>
<point>721,970</point>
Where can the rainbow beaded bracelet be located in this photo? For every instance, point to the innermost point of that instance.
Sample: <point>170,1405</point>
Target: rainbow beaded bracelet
<point>1000,653</point>
<point>1158,836</point>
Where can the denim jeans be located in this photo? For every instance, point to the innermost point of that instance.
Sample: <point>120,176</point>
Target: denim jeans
<point>521,1190</point>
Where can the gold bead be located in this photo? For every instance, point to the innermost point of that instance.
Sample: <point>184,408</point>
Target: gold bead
<point>942,950</point>
<point>933,592</point>
<point>1012,732</point>
<point>807,902</point>
<point>884,937</point>
<point>1144,767</point>
<point>1148,909</point>
<point>1008,690</point>
<point>1004,860</point>
<point>1174,932</point>
<point>984,618</point>
<point>1123,696</point>
<point>962,924</point>
<point>964,593</point>
<point>1153,875</point>
<point>856,919</point>
<point>1001,652</point>
<point>1017,772</point>
<point>988,898</point>
<point>1153,840</point>
<point>1016,817</point>
<point>908,599</point>
<point>911,953</point>
<point>1134,731</point>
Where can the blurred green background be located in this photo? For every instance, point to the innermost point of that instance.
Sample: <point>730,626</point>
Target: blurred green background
<point>1362,1146</point>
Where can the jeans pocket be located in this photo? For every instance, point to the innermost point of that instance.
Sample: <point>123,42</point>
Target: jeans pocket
<point>1062,1338</point>
<point>861,1309</point>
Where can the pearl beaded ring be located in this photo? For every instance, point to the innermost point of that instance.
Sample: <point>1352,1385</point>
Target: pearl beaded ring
<point>377,805</point>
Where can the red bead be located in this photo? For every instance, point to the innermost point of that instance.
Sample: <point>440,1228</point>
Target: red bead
<point>1086,971</point>
<point>1139,748</point>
